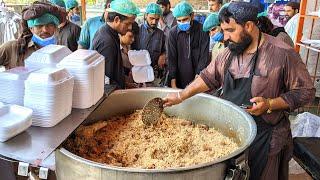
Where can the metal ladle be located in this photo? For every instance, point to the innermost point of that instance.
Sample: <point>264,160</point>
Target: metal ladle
<point>152,111</point>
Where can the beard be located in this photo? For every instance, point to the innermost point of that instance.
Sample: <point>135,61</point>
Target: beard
<point>239,47</point>
<point>166,12</point>
<point>153,26</point>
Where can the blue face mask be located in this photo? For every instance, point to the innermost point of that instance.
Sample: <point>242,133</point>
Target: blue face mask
<point>184,26</point>
<point>44,42</point>
<point>217,37</point>
<point>75,18</point>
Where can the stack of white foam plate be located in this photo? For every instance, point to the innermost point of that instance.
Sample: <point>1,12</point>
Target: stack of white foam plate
<point>14,119</point>
<point>87,67</point>
<point>12,85</point>
<point>48,92</point>
<point>141,71</point>
<point>47,56</point>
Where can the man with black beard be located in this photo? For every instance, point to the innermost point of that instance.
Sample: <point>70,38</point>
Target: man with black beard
<point>167,20</point>
<point>152,39</point>
<point>260,71</point>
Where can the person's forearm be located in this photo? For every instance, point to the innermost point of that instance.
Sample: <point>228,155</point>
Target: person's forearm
<point>278,104</point>
<point>197,86</point>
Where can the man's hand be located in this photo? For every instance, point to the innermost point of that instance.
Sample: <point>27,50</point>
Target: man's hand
<point>197,86</point>
<point>162,60</point>
<point>259,107</point>
<point>172,99</point>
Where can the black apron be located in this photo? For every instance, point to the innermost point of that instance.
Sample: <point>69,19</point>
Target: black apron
<point>238,91</point>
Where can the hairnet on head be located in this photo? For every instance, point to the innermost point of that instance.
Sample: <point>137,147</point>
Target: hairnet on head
<point>182,9</point>
<point>153,8</point>
<point>70,4</point>
<point>211,21</point>
<point>124,7</point>
<point>226,5</point>
<point>43,20</point>
<point>58,3</point>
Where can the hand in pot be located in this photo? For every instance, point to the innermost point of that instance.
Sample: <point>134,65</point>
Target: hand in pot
<point>172,99</point>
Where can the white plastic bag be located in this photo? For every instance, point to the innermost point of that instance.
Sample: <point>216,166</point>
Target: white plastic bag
<point>306,125</point>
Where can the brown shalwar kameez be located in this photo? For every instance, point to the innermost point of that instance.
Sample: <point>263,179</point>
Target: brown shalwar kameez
<point>10,56</point>
<point>279,72</point>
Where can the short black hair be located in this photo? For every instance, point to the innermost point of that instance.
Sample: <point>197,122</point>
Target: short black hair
<point>241,12</point>
<point>219,1</point>
<point>294,5</point>
<point>265,25</point>
<point>112,15</point>
<point>135,28</point>
<point>163,2</point>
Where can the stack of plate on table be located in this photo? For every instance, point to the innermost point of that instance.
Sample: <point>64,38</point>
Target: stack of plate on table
<point>87,67</point>
<point>48,92</point>
<point>141,71</point>
<point>47,56</point>
<point>14,119</point>
<point>12,85</point>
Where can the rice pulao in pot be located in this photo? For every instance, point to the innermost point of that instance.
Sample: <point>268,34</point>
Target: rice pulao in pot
<point>201,109</point>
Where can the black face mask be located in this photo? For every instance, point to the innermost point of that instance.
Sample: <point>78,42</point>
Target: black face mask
<point>240,47</point>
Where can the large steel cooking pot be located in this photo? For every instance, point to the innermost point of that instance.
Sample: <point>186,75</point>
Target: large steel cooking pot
<point>202,108</point>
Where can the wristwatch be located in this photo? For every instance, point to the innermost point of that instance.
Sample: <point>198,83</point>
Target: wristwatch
<point>269,106</point>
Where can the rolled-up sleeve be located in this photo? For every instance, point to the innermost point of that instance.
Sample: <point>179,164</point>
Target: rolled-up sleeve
<point>299,86</point>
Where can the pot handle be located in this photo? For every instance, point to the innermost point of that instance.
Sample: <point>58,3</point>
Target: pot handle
<point>239,168</point>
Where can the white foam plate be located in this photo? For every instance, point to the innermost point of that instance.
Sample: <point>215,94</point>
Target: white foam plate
<point>13,120</point>
<point>142,74</point>
<point>47,56</point>
<point>139,58</point>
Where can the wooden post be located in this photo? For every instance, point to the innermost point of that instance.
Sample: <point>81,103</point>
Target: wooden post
<point>83,10</point>
<point>302,11</point>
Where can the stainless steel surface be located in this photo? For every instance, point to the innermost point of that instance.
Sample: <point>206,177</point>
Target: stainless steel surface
<point>152,111</point>
<point>36,144</point>
<point>201,108</point>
